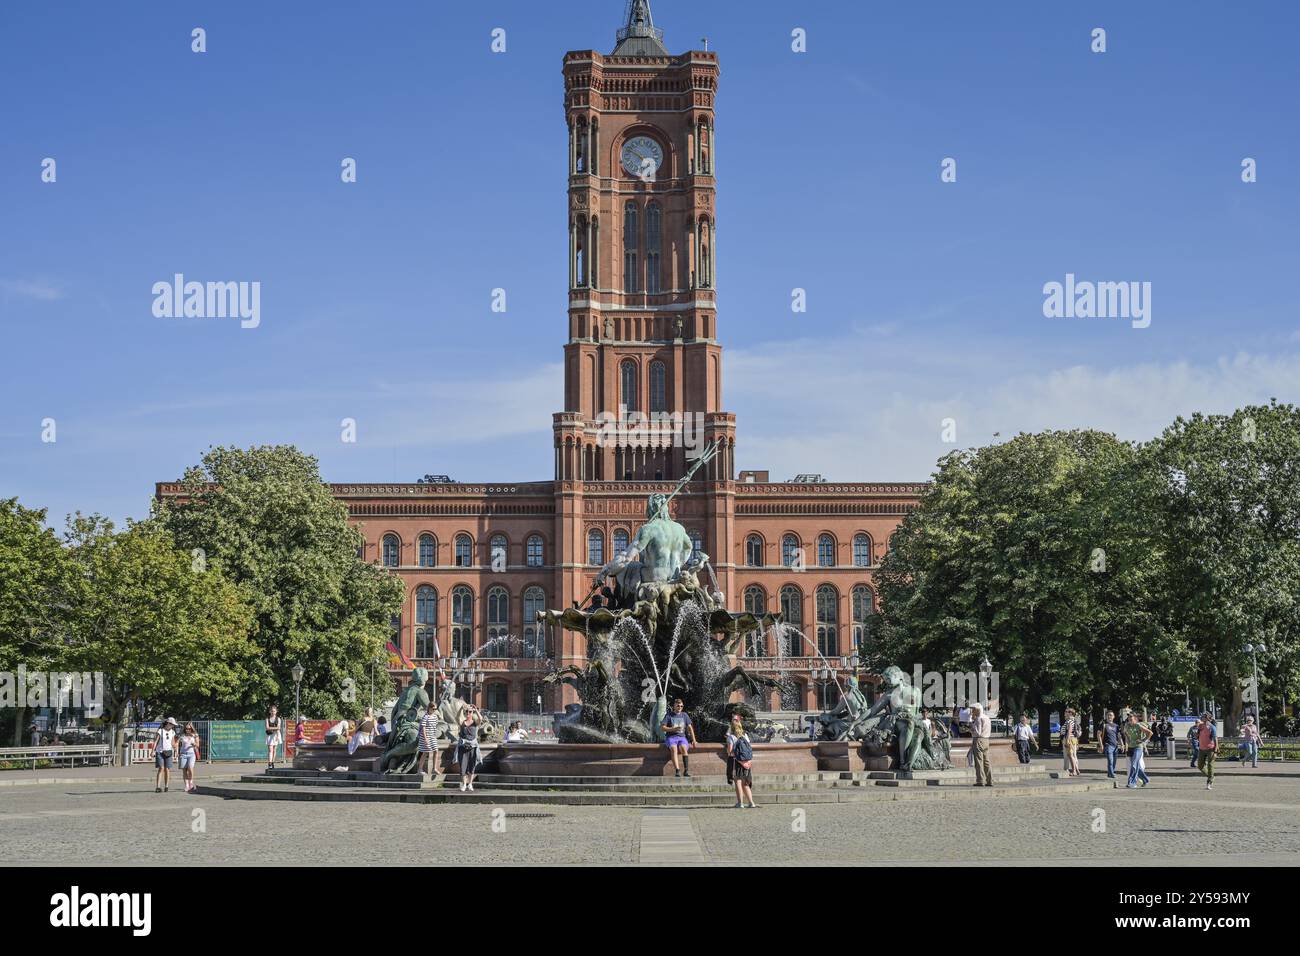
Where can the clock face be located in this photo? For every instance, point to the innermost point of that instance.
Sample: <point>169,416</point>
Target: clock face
<point>642,157</point>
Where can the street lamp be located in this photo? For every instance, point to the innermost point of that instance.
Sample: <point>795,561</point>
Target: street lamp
<point>297,685</point>
<point>1253,650</point>
<point>986,669</point>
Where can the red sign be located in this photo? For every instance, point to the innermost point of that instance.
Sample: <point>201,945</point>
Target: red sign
<point>313,733</point>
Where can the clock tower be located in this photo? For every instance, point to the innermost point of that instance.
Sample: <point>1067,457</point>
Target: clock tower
<point>642,364</point>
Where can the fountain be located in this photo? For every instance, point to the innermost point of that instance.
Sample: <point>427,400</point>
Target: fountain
<point>654,633</point>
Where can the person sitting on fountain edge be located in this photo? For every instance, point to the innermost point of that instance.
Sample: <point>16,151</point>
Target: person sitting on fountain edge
<point>676,726</point>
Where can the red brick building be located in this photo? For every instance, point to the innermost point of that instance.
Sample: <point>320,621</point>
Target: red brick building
<point>479,561</point>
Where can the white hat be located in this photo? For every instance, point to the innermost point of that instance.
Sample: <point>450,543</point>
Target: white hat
<point>976,705</point>
<point>170,720</point>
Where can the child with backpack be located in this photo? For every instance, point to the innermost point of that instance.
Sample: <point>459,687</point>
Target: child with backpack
<point>740,762</point>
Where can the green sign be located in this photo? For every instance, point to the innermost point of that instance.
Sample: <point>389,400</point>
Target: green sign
<point>236,740</point>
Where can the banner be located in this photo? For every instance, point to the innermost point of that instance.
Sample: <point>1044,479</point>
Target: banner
<point>237,740</point>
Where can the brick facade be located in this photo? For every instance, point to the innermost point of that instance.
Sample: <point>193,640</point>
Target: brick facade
<point>642,337</point>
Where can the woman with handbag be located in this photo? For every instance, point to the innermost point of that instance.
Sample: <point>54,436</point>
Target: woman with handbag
<point>273,736</point>
<point>467,749</point>
<point>740,762</point>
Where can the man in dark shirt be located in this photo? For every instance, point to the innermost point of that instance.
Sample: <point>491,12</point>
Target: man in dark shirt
<point>676,726</point>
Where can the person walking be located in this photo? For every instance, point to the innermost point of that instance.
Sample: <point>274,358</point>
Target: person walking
<point>431,727</point>
<point>273,736</point>
<point>1207,745</point>
<point>1136,734</point>
<point>740,762</point>
<point>189,755</point>
<point>1024,734</point>
<point>1112,744</point>
<point>1193,738</point>
<point>1250,737</point>
<point>467,749</point>
<point>980,729</point>
<point>163,750</point>
<point>675,727</point>
<point>1070,741</point>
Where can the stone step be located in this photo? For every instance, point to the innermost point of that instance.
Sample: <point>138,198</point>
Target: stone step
<point>265,791</point>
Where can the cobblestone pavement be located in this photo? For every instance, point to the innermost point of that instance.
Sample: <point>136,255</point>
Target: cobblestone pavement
<point>1251,817</point>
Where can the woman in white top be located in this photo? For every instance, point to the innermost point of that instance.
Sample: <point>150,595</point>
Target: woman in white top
<point>163,749</point>
<point>365,731</point>
<point>273,736</point>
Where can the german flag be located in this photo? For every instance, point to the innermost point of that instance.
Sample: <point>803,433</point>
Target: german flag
<point>396,659</point>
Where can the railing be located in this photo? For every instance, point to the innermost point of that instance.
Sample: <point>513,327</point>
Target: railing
<point>98,753</point>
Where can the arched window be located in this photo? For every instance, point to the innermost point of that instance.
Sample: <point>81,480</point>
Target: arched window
<point>595,548</point>
<point>658,387</point>
<point>426,622</point>
<point>629,247</point>
<point>392,551</point>
<point>627,378</point>
<point>862,550</point>
<point>498,618</point>
<point>497,695</point>
<point>697,540</point>
<point>755,604</point>
<point>790,556</point>
<point>620,544</point>
<point>792,607</point>
<point>792,694</point>
<point>497,550</point>
<point>652,245</point>
<point>462,621</point>
<point>428,551</point>
<point>535,554</point>
<point>580,148</point>
<point>464,551</point>
<point>828,610</point>
<point>704,266</point>
<point>863,607</point>
<point>754,551</point>
<point>828,694</point>
<point>534,631</point>
<point>535,696</point>
<point>826,551</point>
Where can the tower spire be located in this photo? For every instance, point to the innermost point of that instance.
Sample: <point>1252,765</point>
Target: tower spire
<point>639,36</point>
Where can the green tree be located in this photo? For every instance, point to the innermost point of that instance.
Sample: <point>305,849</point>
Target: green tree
<point>1231,510</point>
<point>1031,553</point>
<point>35,576</point>
<point>263,516</point>
<point>161,630</point>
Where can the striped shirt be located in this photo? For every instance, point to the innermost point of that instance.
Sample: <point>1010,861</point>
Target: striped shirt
<point>430,727</point>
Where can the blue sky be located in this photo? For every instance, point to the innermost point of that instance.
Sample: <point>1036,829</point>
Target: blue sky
<point>924,298</point>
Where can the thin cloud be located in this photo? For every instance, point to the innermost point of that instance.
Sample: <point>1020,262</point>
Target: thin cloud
<point>30,289</point>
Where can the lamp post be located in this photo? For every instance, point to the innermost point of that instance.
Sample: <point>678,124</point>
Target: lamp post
<point>985,670</point>
<point>297,686</point>
<point>1253,650</point>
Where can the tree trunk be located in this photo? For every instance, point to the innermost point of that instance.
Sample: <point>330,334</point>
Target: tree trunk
<point>1044,719</point>
<point>1232,719</point>
<point>20,726</point>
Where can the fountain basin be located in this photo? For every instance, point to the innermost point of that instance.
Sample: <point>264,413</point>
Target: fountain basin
<point>652,760</point>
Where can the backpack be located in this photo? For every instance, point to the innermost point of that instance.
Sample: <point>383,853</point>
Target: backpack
<point>742,751</point>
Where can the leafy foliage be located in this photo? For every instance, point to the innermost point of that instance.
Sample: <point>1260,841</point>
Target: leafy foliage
<point>265,519</point>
